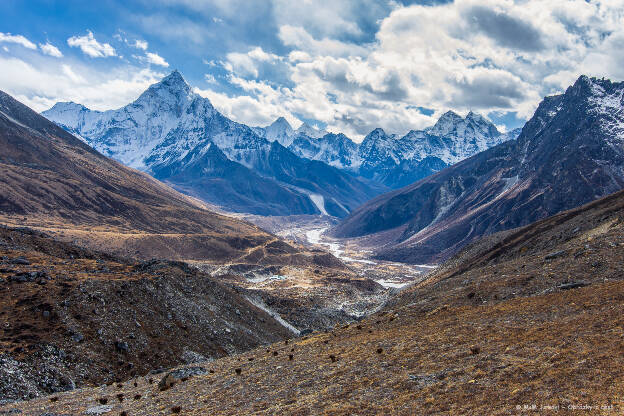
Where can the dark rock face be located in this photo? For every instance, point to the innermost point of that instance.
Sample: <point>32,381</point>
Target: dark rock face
<point>214,178</point>
<point>569,153</point>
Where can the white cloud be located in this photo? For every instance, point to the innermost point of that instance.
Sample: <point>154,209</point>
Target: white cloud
<point>328,19</point>
<point>51,50</point>
<point>91,47</point>
<point>156,59</point>
<point>298,37</point>
<point>18,39</point>
<point>140,44</point>
<point>41,84</point>
<point>247,64</point>
<point>481,55</point>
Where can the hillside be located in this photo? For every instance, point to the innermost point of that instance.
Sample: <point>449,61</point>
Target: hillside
<point>56,184</point>
<point>569,153</point>
<point>528,317</point>
<point>52,181</point>
<point>74,317</point>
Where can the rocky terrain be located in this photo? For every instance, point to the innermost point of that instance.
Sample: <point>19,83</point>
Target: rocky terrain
<point>73,317</point>
<point>525,321</point>
<point>569,153</point>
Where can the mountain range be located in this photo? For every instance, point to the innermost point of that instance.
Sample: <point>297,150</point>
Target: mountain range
<point>398,161</point>
<point>53,181</point>
<point>569,153</point>
<point>178,137</point>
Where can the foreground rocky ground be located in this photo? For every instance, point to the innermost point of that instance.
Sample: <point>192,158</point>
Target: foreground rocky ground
<point>526,322</point>
<point>72,317</point>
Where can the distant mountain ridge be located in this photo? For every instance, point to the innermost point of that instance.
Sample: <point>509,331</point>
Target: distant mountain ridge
<point>169,132</point>
<point>398,161</point>
<point>569,153</point>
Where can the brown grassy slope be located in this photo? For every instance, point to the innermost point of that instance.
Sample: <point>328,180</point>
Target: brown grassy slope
<point>51,180</point>
<point>584,244</point>
<point>490,332</point>
<point>63,327</point>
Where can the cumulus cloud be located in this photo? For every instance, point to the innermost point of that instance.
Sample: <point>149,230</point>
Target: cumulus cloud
<point>17,39</point>
<point>355,65</point>
<point>91,47</point>
<point>41,84</point>
<point>156,59</point>
<point>259,106</point>
<point>490,56</point>
<point>51,50</point>
<point>505,29</point>
<point>248,63</point>
<point>140,44</point>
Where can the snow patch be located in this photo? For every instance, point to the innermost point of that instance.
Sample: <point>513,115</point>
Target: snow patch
<point>259,304</point>
<point>319,201</point>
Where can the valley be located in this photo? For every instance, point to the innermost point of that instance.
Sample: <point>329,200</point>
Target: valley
<point>528,316</point>
<point>227,287</point>
<point>313,231</point>
<point>312,208</point>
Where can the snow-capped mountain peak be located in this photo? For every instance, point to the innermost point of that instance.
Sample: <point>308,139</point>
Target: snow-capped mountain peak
<point>375,136</point>
<point>281,131</point>
<point>452,124</point>
<point>445,124</point>
<point>172,93</point>
<point>310,131</point>
<point>131,133</point>
<point>67,113</point>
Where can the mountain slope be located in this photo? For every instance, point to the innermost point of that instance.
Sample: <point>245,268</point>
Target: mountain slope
<point>529,316</point>
<point>51,179</point>
<point>212,177</point>
<point>569,153</point>
<point>88,318</point>
<point>169,125</point>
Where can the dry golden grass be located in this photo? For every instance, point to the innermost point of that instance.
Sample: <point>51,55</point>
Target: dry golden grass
<point>561,349</point>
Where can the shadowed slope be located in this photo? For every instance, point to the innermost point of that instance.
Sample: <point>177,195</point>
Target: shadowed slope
<point>529,316</point>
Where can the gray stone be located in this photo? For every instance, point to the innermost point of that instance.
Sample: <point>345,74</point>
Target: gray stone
<point>572,285</point>
<point>555,255</point>
<point>121,346</point>
<point>98,410</point>
<point>180,375</point>
<point>190,357</point>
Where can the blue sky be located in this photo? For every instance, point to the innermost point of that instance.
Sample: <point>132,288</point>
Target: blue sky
<point>347,65</point>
